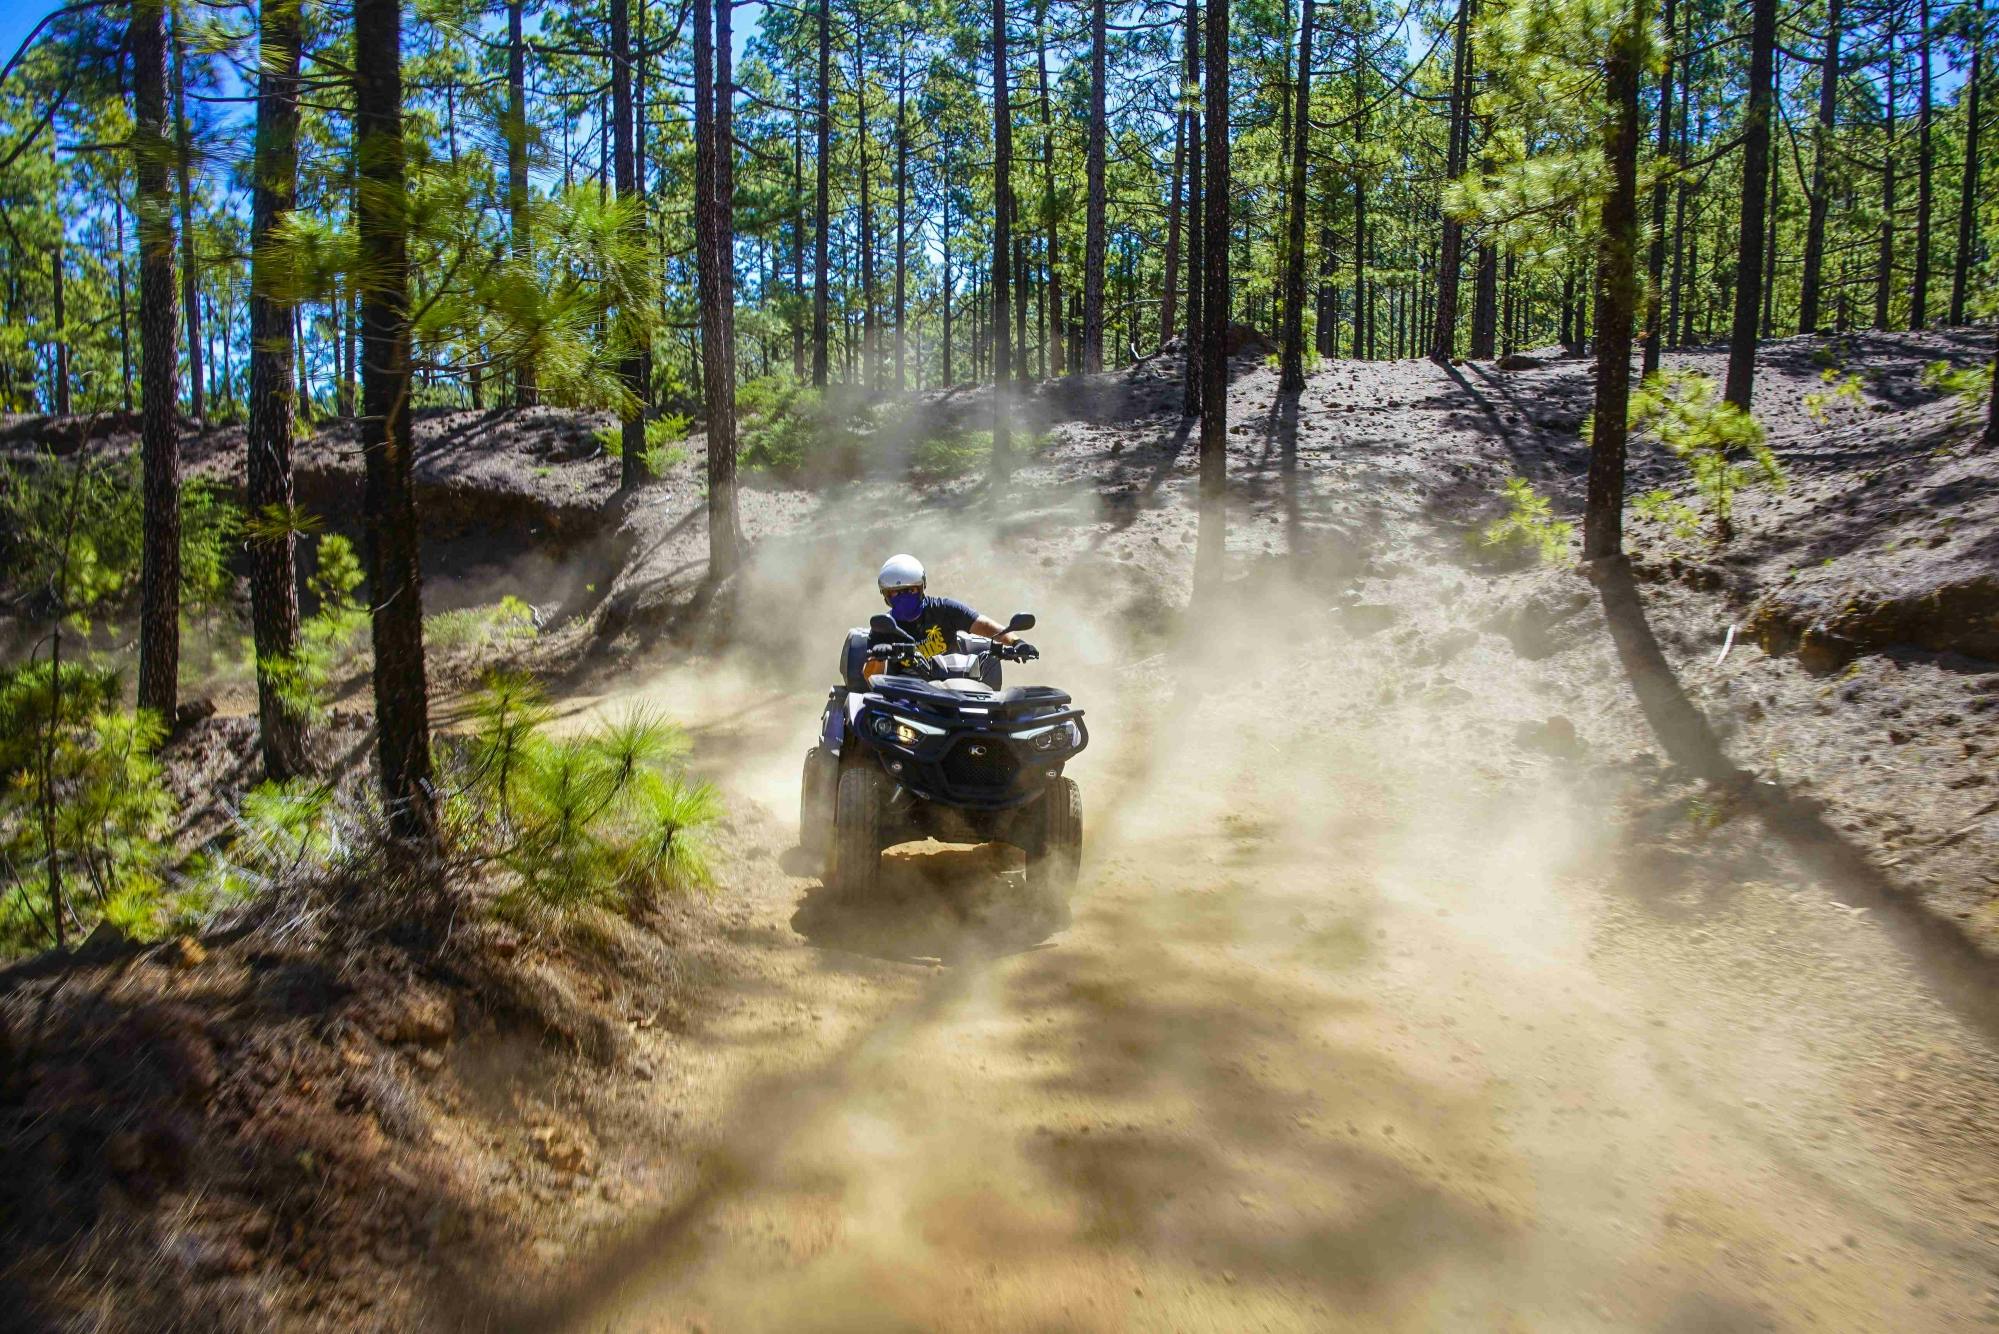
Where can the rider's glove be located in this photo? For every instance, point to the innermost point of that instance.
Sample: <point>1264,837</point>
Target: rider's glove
<point>1025,652</point>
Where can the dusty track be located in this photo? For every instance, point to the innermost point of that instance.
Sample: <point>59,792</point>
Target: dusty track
<point>1356,1028</point>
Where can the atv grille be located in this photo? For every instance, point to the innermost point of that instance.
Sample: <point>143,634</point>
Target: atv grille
<point>983,765</point>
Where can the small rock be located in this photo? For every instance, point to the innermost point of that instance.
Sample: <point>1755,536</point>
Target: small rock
<point>186,952</point>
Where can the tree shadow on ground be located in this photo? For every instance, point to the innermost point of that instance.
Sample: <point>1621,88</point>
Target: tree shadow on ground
<point>1959,974</point>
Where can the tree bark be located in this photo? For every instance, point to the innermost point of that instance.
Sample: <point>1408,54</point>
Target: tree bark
<point>281,724</point>
<point>1967,189</point>
<point>56,260</point>
<point>189,276</point>
<point>1444,337</point>
<point>819,215</point>
<point>520,225</point>
<point>1755,200</point>
<point>1655,337</point>
<point>1211,538</point>
<point>1292,374</point>
<point>395,585</point>
<point>1002,243</point>
<point>871,364</point>
<point>1616,295</point>
<point>1058,349</point>
<point>1821,190</point>
<point>632,426</point>
<point>901,205</point>
<point>1094,206</point>
<point>1485,303</point>
<point>714,265</point>
<point>1919,288</point>
<point>1196,276</point>
<point>1884,274</point>
<point>159,567</point>
<point>1169,295</point>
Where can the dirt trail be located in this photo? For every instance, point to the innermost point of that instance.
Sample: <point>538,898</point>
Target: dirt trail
<point>1344,1036</point>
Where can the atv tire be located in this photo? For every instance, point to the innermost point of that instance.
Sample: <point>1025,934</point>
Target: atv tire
<point>1057,854</point>
<point>817,792</point>
<point>857,834</point>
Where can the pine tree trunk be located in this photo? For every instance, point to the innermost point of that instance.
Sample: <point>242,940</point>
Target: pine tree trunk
<point>725,531</point>
<point>1051,223</point>
<point>1094,208</point>
<point>272,546</point>
<point>1967,189</point>
<point>1362,350</point>
<point>1755,200</point>
<point>395,586</point>
<point>1169,294</point>
<point>1212,532</point>
<point>1292,373</point>
<point>1821,190</point>
<point>901,207</point>
<point>189,276</point>
<point>519,223</point>
<point>1884,274</point>
<point>1485,303</point>
<point>632,426</point>
<point>1002,313</point>
<point>1190,403</point>
<point>797,234</point>
<point>1616,295</point>
<point>950,377</point>
<point>871,362</point>
<point>1655,337</point>
<point>1444,339</point>
<point>124,311</point>
<point>56,260</point>
<point>819,215</point>
<point>1766,327</point>
<point>159,568</point>
<point>1919,289</point>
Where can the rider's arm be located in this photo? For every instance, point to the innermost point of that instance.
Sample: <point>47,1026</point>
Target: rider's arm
<point>985,625</point>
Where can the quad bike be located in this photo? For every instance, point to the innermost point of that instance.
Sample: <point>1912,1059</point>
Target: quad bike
<point>933,747</point>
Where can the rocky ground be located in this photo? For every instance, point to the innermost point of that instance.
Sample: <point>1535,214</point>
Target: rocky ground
<point>1416,981</point>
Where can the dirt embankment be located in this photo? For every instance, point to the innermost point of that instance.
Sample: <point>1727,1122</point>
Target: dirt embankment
<point>1410,981</point>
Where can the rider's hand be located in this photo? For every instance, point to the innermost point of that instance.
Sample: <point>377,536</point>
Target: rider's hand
<point>1024,651</point>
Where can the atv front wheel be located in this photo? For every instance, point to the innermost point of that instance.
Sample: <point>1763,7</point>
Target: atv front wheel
<point>818,790</point>
<point>1057,854</point>
<point>857,833</point>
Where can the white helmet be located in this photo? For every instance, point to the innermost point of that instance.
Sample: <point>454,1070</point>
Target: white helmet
<point>901,571</point>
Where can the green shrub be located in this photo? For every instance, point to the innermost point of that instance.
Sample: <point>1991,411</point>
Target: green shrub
<point>78,771</point>
<point>1660,507</point>
<point>1970,387</point>
<point>1845,392</point>
<point>1722,446</point>
<point>505,621</point>
<point>1529,525</point>
<point>663,446</point>
<point>329,637</point>
<point>91,517</point>
<point>598,818</point>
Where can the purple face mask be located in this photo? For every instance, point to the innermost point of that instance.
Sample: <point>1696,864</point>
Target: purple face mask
<point>906,605</point>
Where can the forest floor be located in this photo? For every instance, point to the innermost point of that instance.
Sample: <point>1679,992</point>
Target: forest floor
<point>1414,983</point>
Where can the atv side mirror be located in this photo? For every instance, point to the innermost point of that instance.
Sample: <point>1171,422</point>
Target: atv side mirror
<point>1022,620</point>
<point>884,630</point>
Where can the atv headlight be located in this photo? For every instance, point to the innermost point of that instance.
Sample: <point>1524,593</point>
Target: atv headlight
<point>902,731</point>
<point>1066,736</point>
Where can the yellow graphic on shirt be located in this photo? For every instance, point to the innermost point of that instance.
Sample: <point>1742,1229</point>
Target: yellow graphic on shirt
<point>933,643</point>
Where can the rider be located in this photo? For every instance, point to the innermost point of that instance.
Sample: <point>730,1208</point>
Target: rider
<point>934,623</point>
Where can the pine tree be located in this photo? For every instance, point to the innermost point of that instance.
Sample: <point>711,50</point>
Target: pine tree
<point>159,578</point>
<point>268,473</point>
<point>395,587</point>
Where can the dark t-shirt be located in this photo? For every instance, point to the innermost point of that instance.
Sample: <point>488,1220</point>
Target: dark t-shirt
<point>936,627</point>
